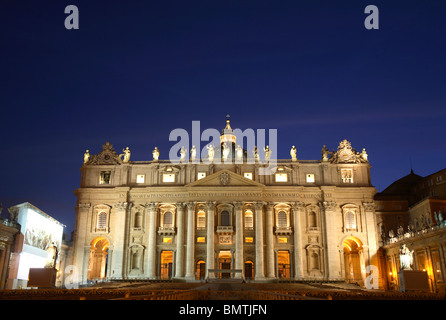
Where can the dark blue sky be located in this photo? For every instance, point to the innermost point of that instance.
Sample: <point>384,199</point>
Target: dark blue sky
<point>135,70</point>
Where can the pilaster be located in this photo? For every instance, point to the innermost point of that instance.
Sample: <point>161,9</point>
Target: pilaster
<point>151,255</point>
<point>298,210</point>
<point>190,253</point>
<point>259,268</point>
<point>333,259</point>
<point>270,265</point>
<point>210,237</point>
<point>179,271</point>
<point>238,237</point>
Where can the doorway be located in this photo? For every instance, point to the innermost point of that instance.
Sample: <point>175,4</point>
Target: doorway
<point>201,270</point>
<point>166,265</point>
<point>225,262</point>
<point>283,264</point>
<point>249,270</point>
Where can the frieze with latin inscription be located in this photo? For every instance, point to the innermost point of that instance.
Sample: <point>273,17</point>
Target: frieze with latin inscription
<point>254,195</point>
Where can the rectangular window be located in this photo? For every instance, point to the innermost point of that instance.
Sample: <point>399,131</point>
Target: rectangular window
<point>169,177</point>
<point>140,178</point>
<point>201,175</point>
<point>201,220</point>
<point>310,178</point>
<point>167,240</point>
<point>101,222</point>
<point>104,177</point>
<point>248,175</point>
<point>283,240</point>
<point>347,175</point>
<point>281,177</point>
<point>201,239</point>
<point>249,239</point>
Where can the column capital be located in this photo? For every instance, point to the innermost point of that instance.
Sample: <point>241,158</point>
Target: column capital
<point>259,204</point>
<point>211,204</point>
<point>190,205</point>
<point>298,205</point>
<point>180,205</point>
<point>328,205</point>
<point>151,205</point>
<point>84,206</point>
<point>368,206</point>
<point>121,205</point>
<point>238,205</point>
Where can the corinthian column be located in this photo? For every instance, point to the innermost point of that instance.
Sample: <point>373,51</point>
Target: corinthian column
<point>190,241</point>
<point>151,255</point>
<point>179,272</point>
<point>331,227</point>
<point>259,269</point>
<point>210,250</point>
<point>298,208</point>
<point>270,266</point>
<point>238,237</point>
<point>119,251</point>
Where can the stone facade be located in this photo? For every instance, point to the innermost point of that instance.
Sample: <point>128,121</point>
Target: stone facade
<point>411,212</point>
<point>310,220</point>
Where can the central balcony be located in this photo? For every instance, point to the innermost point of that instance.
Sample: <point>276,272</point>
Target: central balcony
<point>225,229</point>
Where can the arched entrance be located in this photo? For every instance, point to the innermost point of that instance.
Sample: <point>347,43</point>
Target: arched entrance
<point>354,260</point>
<point>97,261</point>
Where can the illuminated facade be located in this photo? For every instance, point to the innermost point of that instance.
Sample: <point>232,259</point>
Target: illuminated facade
<point>411,211</point>
<point>309,220</point>
<point>37,232</point>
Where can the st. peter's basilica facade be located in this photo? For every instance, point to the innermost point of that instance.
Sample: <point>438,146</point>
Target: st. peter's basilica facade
<point>199,220</point>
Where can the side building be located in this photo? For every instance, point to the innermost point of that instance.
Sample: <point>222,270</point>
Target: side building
<point>36,233</point>
<point>198,219</point>
<point>411,211</point>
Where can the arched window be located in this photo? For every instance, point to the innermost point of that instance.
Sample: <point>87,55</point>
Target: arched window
<point>167,220</point>
<point>282,221</point>
<point>249,224</point>
<point>314,261</point>
<point>138,220</point>
<point>201,220</point>
<point>350,220</point>
<point>312,222</point>
<point>136,260</point>
<point>224,216</point>
<point>101,222</point>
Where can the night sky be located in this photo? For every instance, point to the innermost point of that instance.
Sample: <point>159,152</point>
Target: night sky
<point>136,70</point>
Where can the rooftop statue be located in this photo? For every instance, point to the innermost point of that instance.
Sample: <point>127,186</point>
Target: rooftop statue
<point>86,156</point>
<point>126,155</point>
<point>255,151</point>
<point>183,154</point>
<point>325,153</point>
<point>193,153</point>
<point>293,153</point>
<point>211,152</point>
<point>156,154</point>
<point>267,153</point>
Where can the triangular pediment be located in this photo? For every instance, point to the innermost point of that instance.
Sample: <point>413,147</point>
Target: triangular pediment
<point>225,178</point>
